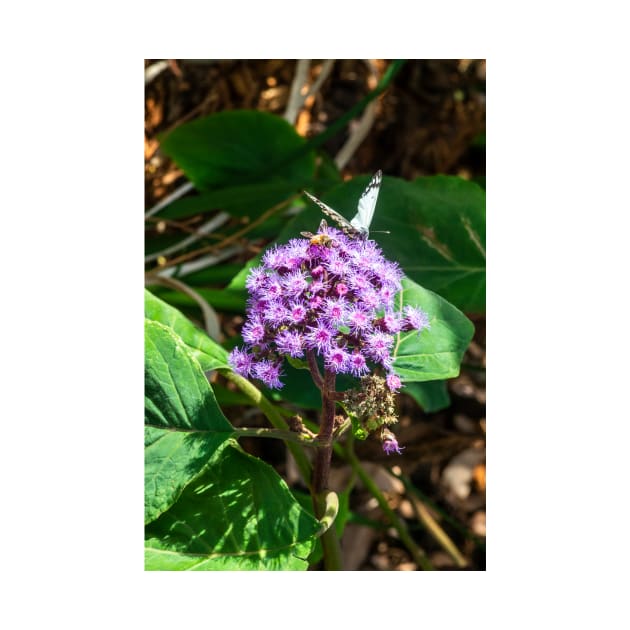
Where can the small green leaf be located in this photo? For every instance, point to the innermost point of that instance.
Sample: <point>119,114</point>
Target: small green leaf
<point>239,515</point>
<point>184,425</point>
<point>211,355</point>
<point>434,353</point>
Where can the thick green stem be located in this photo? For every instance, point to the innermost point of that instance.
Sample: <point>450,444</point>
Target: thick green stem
<point>329,539</point>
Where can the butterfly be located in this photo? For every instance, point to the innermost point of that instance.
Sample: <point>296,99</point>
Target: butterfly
<point>359,226</point>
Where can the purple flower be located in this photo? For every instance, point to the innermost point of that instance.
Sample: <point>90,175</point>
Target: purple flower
<point>275,313</point>
<point>315,302</point>
<point>294,283</point>
<point>388,363</point>
<point>253,332</point>
<point>378,345</point>
<point>268,372</point>
<point>415,319</point>
<point>391,323</point>
<point>358,365</point>
<point>320,338</point>
<point>335,310</point>
<point>290,342</point>
<point>358,281</point>
<point>336,359</point>
<point>358,319</point>
<point>256,280</point>
<point>274,258</point>
<point>387,294</point>
<point>393,382</point>
<point>295,253</point>
<point>390,445</point>
<point>335,299</point>
<point>316,287</point>
<point>296,313</point>
<point>241,361</point>
<point>273,287</point>
<point>365,253</point>
<point>370,298</point>
<point>336,265</point>
<point>392,275</point>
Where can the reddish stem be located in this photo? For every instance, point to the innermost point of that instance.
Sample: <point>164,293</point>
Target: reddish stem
<point>314,369</point>
<point>324,437</point>
<point>321,471</point>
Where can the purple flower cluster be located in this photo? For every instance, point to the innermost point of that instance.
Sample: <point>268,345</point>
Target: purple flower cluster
<point>332,295</point>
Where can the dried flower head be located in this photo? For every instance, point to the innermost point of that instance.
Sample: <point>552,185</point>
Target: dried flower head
<point>373,403</point>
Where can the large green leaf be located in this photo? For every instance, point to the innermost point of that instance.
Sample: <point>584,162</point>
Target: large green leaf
<point>240,515</point>
<point>210,354</point>
<point>437,231</point>
<point>238,147</point>
<point>432,396</point>
<point>434,353</point>
<point>184,426</point>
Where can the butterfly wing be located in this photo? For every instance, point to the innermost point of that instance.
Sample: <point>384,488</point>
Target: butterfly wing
<point>367,204</point>
<point>343,223</point>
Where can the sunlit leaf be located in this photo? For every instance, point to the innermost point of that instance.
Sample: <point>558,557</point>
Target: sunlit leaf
<point>184,426</point>
<point>210,354</point>
<point>239,515</point>
<point>434,353</point>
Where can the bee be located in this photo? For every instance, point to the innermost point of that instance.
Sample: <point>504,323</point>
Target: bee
<point>322,237</point>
